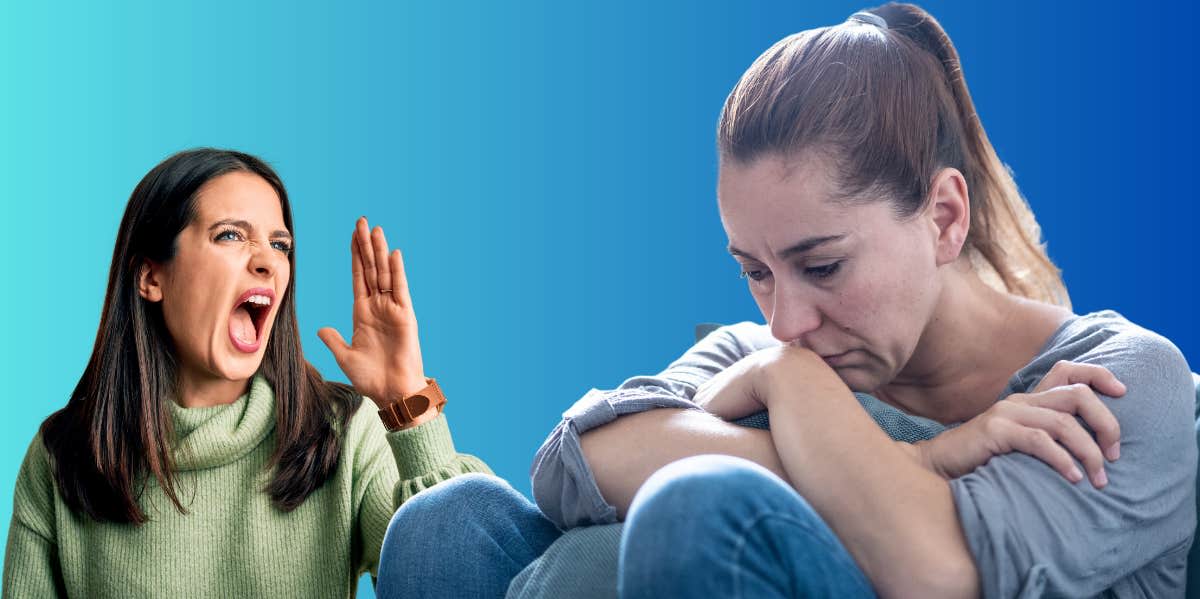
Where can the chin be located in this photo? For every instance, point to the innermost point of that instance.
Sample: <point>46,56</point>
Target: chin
<point>237,371</point>
<point>238,366</point>
<point>858,379</point>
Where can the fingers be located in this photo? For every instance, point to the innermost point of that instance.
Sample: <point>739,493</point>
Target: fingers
<point>1066,430</point>
<point>383,271</point>
<point>399,278</point>
<point>334,341</point>
<point>1072,373</point>
<point>356,269</point>
<point>1039,444</point>
<point>366,253</point>
<point>1081,400</point>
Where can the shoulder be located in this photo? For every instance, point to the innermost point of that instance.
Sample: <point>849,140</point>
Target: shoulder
<point>1159,383</point>
<point>1108,339</point>
<point>37,460</point>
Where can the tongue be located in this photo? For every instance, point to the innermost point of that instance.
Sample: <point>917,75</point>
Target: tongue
<point>242,326</point>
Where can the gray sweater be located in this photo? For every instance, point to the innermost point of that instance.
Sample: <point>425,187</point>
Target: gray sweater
<point>1031,532</point>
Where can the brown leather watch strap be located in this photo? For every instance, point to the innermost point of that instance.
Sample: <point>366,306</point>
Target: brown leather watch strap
<point>403,412</point>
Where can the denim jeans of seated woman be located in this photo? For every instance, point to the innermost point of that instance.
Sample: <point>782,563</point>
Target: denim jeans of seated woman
<point>703,526</point>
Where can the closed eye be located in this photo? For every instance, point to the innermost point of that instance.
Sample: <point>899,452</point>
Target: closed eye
<point>823,271</point>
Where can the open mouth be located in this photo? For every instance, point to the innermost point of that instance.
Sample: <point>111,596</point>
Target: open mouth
<point>249,317</point>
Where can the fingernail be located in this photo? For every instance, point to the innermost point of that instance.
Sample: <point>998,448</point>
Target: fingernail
<point>1114,452</point>
<point>1101,478</point>
<point>1075,474</point>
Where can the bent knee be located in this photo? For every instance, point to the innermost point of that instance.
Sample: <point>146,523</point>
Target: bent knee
<point>713,483</point>
<point>463,497</point>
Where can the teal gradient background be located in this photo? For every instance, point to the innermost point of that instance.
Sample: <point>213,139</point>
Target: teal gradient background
<point>548,170</point>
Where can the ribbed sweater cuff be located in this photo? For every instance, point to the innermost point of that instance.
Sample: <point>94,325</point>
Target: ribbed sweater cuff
<point>423,449</point>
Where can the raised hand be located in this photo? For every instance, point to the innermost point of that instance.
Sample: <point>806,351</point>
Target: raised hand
<point>383,358</point>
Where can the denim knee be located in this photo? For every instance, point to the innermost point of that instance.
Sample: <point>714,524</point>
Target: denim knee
<point>709,484</point>
<point>722,526</point>
<point>467,537</point>
<point>466,497</point>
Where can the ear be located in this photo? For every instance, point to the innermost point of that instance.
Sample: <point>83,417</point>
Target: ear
<point>150,281</point>
<point>949,210</point>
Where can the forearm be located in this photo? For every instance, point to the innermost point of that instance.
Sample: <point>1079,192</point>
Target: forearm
<point>897,518</point>
<point>624,453</point>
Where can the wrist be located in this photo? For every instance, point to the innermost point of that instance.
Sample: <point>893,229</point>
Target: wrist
<point>922,452</point>
<point>408,385</point>
<point>397,390</point>
<point>797,371</point>
<point>404,411</point>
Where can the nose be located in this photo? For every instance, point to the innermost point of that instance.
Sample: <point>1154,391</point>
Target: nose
<point>793,314</point>
<point>262,260</point>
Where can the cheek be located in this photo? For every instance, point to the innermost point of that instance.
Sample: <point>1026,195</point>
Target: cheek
<point>858,306</point>
<point>285,278</point>
<point>878,304</point>
<point>187,335</point>
<point>194,300</point>
<point>888,308</point>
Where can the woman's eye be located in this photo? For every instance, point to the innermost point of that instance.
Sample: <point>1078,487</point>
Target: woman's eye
<point>824,271</point>
<point>229,234</point>
<point>282,246</point>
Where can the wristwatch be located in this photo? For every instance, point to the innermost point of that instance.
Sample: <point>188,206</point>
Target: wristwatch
<point>402,413</point>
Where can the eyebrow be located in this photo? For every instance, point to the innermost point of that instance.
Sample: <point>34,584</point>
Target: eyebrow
<point>800,247</point>
<point>247,226</point>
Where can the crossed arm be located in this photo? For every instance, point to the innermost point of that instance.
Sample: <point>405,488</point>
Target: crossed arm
<point>896,517</point>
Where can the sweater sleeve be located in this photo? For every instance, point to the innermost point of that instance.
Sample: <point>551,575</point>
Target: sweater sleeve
<point>394,466</point>
<point>563,484</point>
<point>31,567</point>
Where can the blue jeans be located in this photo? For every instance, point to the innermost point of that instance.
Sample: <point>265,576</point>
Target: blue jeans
<point>702,526</point>
<point>466,537</point>
<point>718,526</point>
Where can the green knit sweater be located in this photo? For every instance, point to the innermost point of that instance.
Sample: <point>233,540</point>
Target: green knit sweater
<point>232,542</point>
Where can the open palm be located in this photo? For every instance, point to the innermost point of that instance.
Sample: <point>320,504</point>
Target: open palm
<point>383,358</point>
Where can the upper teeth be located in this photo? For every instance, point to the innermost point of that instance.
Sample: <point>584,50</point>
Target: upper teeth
<point>261,300</point>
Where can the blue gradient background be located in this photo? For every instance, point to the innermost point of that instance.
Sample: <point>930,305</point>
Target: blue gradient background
<point>548,171</point>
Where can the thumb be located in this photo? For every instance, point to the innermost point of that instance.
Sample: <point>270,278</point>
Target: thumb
<point>334,341</point>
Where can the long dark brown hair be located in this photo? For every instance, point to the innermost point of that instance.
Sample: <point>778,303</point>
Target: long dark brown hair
<point>115,432</point>
<point>884,96</point>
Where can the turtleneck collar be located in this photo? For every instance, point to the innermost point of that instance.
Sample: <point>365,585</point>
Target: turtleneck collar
<point>217,435</point>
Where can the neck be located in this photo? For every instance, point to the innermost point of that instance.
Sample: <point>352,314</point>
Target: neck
<point>196,390</point>
<point>974,342</point>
